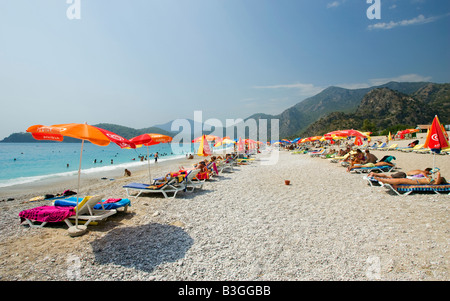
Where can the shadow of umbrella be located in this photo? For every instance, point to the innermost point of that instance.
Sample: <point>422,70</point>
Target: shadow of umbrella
<point>142,247</point>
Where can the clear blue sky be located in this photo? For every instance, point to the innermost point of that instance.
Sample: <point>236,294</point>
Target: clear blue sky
<point>139,63</point>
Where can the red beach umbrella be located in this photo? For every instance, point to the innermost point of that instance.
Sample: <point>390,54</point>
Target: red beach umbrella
<point>83,132</point>
<point>436,139</point>
<point>408,131</point>
<point>150,139</point>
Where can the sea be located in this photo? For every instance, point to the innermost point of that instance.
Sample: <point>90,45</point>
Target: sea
<point>22,163</point>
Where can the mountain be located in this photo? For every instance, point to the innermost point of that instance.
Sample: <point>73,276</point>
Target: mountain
<point>375,108</point>
<point>384,108</point>
<point>296,119</point>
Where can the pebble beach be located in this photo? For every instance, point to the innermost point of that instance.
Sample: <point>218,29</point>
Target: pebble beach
<point>327,224</point>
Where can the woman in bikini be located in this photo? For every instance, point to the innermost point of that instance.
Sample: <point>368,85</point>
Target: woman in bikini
<point>422,180</point>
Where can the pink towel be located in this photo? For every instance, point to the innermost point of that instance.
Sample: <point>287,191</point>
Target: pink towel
<point>50,214</point>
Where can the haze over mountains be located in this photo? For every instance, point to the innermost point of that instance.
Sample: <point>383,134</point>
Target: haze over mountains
<point>376,108</point>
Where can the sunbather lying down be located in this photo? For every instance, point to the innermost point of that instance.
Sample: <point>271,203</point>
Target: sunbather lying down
<point>351,167</point>
<point>412,173</point>
<point>418,180</point>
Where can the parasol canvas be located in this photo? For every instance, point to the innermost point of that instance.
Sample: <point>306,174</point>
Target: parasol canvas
<point>80,131</point>
<point>204,149</point>
<point>147,140</point>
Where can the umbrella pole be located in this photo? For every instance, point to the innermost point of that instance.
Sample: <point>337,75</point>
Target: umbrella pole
<point>148,161</point>
<point>434,164</point>
<point>79,174</point>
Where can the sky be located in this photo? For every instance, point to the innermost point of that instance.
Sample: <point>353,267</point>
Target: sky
<point>140,63</point>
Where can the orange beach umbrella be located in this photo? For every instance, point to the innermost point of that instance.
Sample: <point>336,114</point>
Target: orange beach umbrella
<point>347,133</point>
<point>83,132</point>
<point>408,131</point>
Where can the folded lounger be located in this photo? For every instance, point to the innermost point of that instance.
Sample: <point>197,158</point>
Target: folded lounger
<point>53,214</point>
<point>164,188</point>
<point>102,205</point>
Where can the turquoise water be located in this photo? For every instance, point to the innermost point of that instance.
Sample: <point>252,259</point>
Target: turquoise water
<point>29,162</point>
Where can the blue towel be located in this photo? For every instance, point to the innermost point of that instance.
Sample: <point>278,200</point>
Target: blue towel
<point>72,202</point>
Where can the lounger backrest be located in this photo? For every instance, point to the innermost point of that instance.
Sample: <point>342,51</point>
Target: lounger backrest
<point>192,174</point>
<point>87,204</point>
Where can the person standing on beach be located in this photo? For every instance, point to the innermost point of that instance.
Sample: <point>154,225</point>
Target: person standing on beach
<point>156,157</point>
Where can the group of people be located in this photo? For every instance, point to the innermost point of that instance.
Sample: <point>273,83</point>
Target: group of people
<point>366,159</point>
<point>208,168</point>
<point>357,158</point>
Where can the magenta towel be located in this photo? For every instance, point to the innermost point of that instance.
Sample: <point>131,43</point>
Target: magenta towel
<point>215,168</point>
<point>50,214</point>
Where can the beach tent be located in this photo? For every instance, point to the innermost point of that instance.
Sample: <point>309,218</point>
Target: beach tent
<point>93,134</point>
<point>147,140</point>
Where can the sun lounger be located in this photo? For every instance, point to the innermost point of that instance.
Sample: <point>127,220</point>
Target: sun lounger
<point>378,147</point>
<point>53,214</point>
<point>372,181</point>
<point>226,165</point>
<point>366,169</point>
<point>391,147</point>
<point>406,189</point>
<point>411,149</point>
<point>317,153</point>
<point>102,205</point>
<point>336,159</point>
<point>167,187</point>
<point>190,183</point>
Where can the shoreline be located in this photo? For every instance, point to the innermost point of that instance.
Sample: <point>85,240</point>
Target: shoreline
<point>54,185</point>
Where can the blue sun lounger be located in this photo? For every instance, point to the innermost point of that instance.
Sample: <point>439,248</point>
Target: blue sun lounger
<point>406,189</point>
<point>164,188</point>
<point>383,168</point>
<point>72,202</point>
